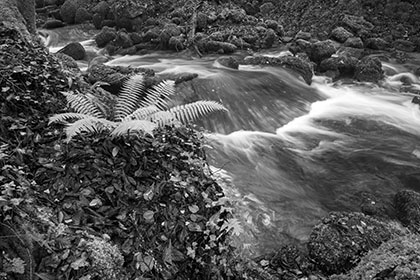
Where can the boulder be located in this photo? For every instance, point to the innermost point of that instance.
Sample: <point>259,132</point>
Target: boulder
<point>53,23</point>
<point>395,259</point>
<point>273,24</point>
<point>341,239</point>
<point>123,40</point>
<point>348,51</point>
<point>75,50</point>
<point>345,65</point>
<point>322,50</point>
<point>102,8</point>
<point>228,61</point>
<point>97,20</point>
<point>340,34</point>
<point>404,45</point>
<point>168,31</point>
<point>209,46</point>
<point>376,44</point>
<point>68,10</point>
<point>302,67</point>
<point>82,15</point>
<point>303,35</point>
<point>267,8</point>
<point>106,35</point>
<point>354,42</point>
<point>356,24</point>
<point>201,21</point>
<point>270,38</point>
<point>369,70</point>
<point>407,205</point>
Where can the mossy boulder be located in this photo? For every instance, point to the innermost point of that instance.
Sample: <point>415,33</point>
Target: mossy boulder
<point>369,69</point>
<point>75,50</point>
<point>340,34</point>
<point>68,10</point>
<point>106,35</point>
<point>407,205</point>
<point>341,239</point>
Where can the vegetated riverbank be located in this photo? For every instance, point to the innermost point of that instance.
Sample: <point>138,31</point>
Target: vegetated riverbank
<point>78,230</point>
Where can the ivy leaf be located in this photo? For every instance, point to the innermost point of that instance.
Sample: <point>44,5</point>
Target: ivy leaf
<point>148,215</point>
<point>80,262</point>
<point>95,203</point>
<point>115,151</point>
<point>193,208</point>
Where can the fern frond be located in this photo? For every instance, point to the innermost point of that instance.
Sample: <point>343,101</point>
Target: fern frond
<point>126,127</point>
<point>193,111</point>
<point>163,118</point>
<point>142,113</point>
<point>159,94</point>
<point>82,105</point>
<point>132,92</point>
<point>63,118</point>
<point>88,125</point>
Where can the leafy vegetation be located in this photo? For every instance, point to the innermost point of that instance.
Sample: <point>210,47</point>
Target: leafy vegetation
<point>137,109</point>
<point>99,207</point>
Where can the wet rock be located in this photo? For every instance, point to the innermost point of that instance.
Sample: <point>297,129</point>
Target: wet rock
<point>303,35</point>
<point>228,61</point>
<point>102,8</point>
<point>136,38</point>
<point>201,21</point>
<point>302,67</point>
<point>395,259</point>
<point>106,35</point>
<point>168,31</point>
<point>82,15</point>
<point>357,24</point>
<point>108,23</point>
<point>348,51</point>
<point>185,77</point>
<point>209,46</point>
<point>341,239</point>
<point>345,65</point>
<point>340,34</point>
<point>124,23</point>
<point>123,40</point>
<point>404,45</point>
<point>75,50</point>
<point>273,24</point>
<point>376,44</point>
<point>369,70</point>
<point>300,45</point>
<point>322,50</point>
<point>416,100</point>
<point>151,34</point>
<point>53,23</point>
<point>354,42</point>
<point>68,10</point>
<point>417,72</point>
<point>267,8</point>
<point>97,20</point>
<point>270,38</point>
<point>407,205</point>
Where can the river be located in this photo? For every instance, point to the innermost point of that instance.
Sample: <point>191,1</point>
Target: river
<point>290,153</point>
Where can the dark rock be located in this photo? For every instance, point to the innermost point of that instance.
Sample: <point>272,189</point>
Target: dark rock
<point>127,51</point>
<point>228,61</point>
<point>82,15</point>
<point>220,36</point>
<point>303,35</point>
<point>341,239</point>
<point>236,15</point>
<point>407,205</point>
<point>369,70</point>
<point>322,50</point>
<point>272,24</point>
<point>106,35</point>
<point>417,72</point>
<point>136,38</point>
<point>123,40</point>
<point>39,4</point>
<point>68,10</point>
<point>97,20</point>
<point>340,34</point>
<point>267,8</point>
<point>56,14</point>
<point>102,8</point>
<point>208,46</point>
<point>376,44</point>
<point>348,51</point>
<point>395,259</point>
<point>302,67</point>
<point>176,20</point>
<point>416,100</point>
<point>151,34</point>
<point>251,8</point>
<point>169,30</point>
<point>75,50</point>
<point>108,23</point>
<point>346,65</point>
<point>53,23</point>
<point>354,42</point>
<point>124,23</point>
<point>357,24</point>
<point>270,38</point>
<point>185,77</point>
<point>404,45</point>
<point>177,43</point>
<point>302,46</point>
<point>201,21</point>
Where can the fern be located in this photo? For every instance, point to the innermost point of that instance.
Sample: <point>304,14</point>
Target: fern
<point>137,110</point>
<point>81,104</point>
<point>126,127</point>
<point>63,118</point>
<point>158,95</point>
<point>192,111</point>
<point>128,101</point>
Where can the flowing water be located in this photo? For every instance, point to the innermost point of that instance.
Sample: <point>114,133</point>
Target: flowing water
<point>292,152</point>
